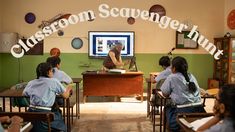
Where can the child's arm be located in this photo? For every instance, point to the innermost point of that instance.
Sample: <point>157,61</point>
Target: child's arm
<point>67,92</point>
<point>209,124</point>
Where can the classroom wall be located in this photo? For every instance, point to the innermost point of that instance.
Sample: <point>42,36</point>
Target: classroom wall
<point>229,6</point>
<point>1,3</point>
<point>149,37</point>
<point>151,42</point>
<point>23,69</point>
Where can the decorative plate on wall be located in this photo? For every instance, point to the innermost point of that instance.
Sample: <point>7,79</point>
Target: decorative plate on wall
<point>77,43</point>
<point>130,20</point>
<point>30,18</point>
<point>157,9</point>
<point>231,20</point>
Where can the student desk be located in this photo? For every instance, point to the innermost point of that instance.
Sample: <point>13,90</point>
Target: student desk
<point>149,82</point>
<point>190,118</point>
<point>77,81</point>
<point>12,93</point>
<point>163,110</point>
<point>112,84</point>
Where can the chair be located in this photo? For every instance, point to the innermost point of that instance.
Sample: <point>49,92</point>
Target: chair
<point>155,102</point>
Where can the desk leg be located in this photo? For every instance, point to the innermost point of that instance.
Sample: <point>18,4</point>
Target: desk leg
<point>68,115</point>
<point>84,99</point>
<point>148,98</point>
<point>161,115</point>
<point>64,105</point>
<point>3,104</point>
<point>77,101</point>
<point>10,104</point>
<point>164,116</point>
<point>142,98</point>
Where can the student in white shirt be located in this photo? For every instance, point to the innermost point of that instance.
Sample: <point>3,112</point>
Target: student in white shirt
<point>184,91</point>
<point>224,110</point>
<point>55,62</point>
<point>42,92</point>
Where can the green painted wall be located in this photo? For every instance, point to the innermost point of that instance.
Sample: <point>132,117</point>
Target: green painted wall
<point>14,70</point>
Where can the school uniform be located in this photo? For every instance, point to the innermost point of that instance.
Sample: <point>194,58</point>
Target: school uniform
<point>226,125</point>
<point>183,100</point>
<point>164,74</point>
<point>42,93</point>
<point>160,80</point>
<point>61,76</point>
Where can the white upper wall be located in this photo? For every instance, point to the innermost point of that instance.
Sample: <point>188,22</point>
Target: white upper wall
<point>1,10</point>
<point>149,37</point>
<point>229,6</point>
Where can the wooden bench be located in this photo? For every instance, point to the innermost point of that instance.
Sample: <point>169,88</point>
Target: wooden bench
<point>32,116</point>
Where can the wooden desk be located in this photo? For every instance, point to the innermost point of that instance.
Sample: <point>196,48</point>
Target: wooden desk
<point>111,84</point>
<point>212,91</point>
<point>77,81</point>
<point>32,116</point>
<point>190,117</point>
<point>12,93</point>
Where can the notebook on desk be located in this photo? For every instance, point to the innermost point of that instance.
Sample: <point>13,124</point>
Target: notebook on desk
<point>26,126</point>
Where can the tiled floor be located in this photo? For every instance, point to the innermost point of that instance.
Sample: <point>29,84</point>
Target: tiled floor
<point>105,115</point>
<point>129,115</point>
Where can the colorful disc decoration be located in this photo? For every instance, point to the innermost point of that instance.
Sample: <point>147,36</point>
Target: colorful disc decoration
<point>77,43</point>
<point>157,9</point>
<point>60,32</point>
<point>231,20</point>
<point>130,20</point>
<point>30,18</point>
<point>55,52</point>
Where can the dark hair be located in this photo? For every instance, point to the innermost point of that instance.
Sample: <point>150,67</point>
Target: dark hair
<point>227,97</point>
<point>181,65</point>
<point>164,61</point>
<point>43,69</point>
<point>54,60</point>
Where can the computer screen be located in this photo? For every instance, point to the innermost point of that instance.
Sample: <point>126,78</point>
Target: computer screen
<point>100,42</point>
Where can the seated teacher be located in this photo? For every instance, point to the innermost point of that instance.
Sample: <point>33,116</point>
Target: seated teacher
<point>114,59</point>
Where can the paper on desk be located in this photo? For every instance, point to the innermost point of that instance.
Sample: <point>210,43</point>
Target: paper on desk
<point>117,71</point>
<point>196,124</point>
<point>25,127</point>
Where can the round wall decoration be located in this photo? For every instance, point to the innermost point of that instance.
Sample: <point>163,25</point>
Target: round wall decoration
<point>60,32</point>
<point>157,9</point>
<point>30,18</point>
<point>130,20</point>
<point>77,43</point>
<point>231,20</point>
<point>55,52</point>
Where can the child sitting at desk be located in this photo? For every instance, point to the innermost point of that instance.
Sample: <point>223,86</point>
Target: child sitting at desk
<point>57,73</point>
<point>42,92</point>
<point>165,63</point>
<point>183,89</point>
<point>224,110</point>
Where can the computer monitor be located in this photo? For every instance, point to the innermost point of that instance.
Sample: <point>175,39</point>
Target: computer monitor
<point>132,66</point>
